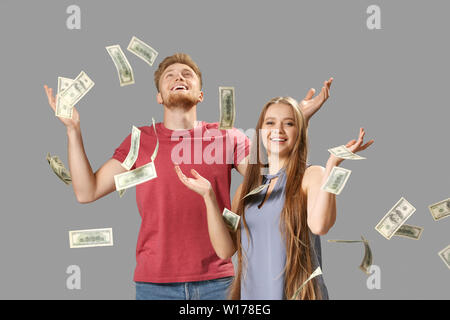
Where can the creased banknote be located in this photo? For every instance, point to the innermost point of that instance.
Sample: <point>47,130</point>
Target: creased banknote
<point>227,107</point>
<point>395,218</point>
<point>231,219</point>
<point>142,50</point>
<point>336,180</point>
<point>59,169</point>
<point>408,231</point>
<point>440,210</point>
<point>63,110</point>
<point>316,273</point>
<point>123,67</point>
<point>91,238</point>
<point>77,89</point>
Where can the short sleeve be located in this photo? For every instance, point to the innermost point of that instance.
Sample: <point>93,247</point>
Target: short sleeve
<point>241,146</point>
<point>122,151</point>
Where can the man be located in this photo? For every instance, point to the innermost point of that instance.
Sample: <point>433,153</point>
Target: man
<point>175,259</point>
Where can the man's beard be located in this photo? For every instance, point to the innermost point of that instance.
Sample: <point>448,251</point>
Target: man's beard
<point>185,101</point>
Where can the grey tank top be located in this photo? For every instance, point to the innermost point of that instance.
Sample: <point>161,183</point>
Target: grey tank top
<point>264,257</point>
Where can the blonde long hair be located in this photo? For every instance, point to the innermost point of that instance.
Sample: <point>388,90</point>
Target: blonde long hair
<point>293,219</point>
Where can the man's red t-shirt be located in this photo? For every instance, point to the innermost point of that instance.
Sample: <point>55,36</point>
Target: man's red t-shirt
<point>173,243</point>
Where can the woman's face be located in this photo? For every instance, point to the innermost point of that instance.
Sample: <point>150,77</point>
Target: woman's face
<point>279,132</point>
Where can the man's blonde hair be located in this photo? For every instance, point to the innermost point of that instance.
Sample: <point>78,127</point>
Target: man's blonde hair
<point>176,58</point>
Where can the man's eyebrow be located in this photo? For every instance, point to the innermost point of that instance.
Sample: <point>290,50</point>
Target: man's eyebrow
<point>172,69</point>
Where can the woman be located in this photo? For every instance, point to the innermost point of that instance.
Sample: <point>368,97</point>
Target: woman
<point>278,244</point>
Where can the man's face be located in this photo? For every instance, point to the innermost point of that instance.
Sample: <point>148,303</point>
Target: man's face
<point>179,86</point>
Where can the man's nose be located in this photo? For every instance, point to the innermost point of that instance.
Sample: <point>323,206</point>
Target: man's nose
<point>179,77</point>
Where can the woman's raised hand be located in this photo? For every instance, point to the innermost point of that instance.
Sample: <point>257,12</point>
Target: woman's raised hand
<point>355,145</point>
<point>75,121</point>
<point>200,185</point>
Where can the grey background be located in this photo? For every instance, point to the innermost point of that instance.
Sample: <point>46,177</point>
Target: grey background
<point>393,82</point>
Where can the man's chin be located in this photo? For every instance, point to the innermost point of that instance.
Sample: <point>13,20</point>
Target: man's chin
<point>181,101</point>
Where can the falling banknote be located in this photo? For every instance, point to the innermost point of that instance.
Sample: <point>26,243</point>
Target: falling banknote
<point>59,169</point>
<point>395,218</point>
<point>257,190</point>
<point>142,50</point>
<point>445,255</point>
<point>231,219</point>
<point>408,231</point>
<point>134,149</point>
<point>123,67</point>
<point>63,110</point>
<point>134,177</point>
<point>227,107</point>
<point>440,210</point>
<point>91,238</point>
<point>77,89</point>
<point>344,153</point>
<point>367,259</point>
<point>336,180</point>
<point>316,273</point>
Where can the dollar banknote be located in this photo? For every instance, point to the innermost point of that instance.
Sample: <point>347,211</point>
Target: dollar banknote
<point>227,107</point>
<point>257,190</point>
<point>445,255</point>
<point>142,50</point>
<point>231,219</point>
<point>408,231</point>
<point>91,238</point>
<point>134,177</point>
<point>63,110</point>
<point>134,149</point>
<point>316,273</point>
<point>344,153</point>
<point>59,169</point>
<point>123,67</point>
<point>121,192</point>
<point>336,180</point>
<point>77,89</point>
<point>367,259</point>
<point>395,218</point>
<point>440,210</point>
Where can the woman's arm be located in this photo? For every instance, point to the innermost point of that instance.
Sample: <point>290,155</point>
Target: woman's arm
<point>321,205</point>
<point>219,234</point>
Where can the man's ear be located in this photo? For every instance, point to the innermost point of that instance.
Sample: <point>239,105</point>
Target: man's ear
<point>200,97</point>
<point>159,98</point>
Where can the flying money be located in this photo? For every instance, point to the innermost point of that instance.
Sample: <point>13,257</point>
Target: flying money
<point>367,259</point>
<point>336,180</point>
<point>63,110</point>
<point>91,238</point>
<point>440,210</point>
<point>77,89</point>
<point>59,169</point>
<point>316,273</point>
<point>142,50</point>
<point>123,67</point>
<point>231,219</point>
<point>344,153</point>
<point>257,190</point>
<point>445,255</point>
<point>134,149</point>
<point>227,107</point>
<point>134,177</point>
<point>395,218</point>
<point>408,231</point>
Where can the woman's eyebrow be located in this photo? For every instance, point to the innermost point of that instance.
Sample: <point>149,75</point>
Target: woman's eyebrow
<point>287,118</point>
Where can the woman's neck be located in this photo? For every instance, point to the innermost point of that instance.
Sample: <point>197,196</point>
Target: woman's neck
<point>275,163</point>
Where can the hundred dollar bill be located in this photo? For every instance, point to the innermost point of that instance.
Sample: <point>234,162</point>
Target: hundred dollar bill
<point>63,110</point>
<point>134,177</point>
<point>121,192</point>
<point>316,273</point>
<point>59,169</point>
<point>336,180</point>
<point>231,219</point>
<point>227,107</point>
<point>77,89</point>
<point>123,67</point>
<point>91,238</point>
<point>395,218</point>
<point>257,190</point>
<point>134,149</point>
<point>408,231</point>
<point>344,153</point>
<point>445,255</point>
<point>440,210</point>
<point>367,259</point>
<point>142,50</point>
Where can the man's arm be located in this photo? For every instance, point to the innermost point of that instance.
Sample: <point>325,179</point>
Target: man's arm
<point>88,186</point>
